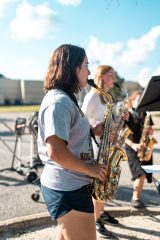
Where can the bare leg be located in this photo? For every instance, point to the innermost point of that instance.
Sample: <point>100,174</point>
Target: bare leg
<point>138,187</point>
<point>77,225</point>
<point>98,208</point>
<point>59,235</point>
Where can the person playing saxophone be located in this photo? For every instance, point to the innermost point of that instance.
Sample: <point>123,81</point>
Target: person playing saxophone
<point>65,146</point>
<point>134,147</point>
<point>94,107</point>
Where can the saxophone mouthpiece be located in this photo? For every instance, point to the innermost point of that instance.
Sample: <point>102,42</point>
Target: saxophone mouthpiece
<point>91,83</point>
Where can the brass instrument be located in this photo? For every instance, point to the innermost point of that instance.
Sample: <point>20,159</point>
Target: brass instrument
<point>121,130</point>
<point>123,135</point>
<point>107,154</point>
<point>147,141</point>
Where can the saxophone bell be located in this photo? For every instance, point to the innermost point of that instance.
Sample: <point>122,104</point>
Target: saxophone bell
<point>147,141</point>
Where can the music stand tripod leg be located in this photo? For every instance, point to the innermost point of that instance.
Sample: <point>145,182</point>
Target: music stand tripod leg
<point>14,152</point>
<point>157,184</point>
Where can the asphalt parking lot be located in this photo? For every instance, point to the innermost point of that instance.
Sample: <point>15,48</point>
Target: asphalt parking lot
<point>15,193</point>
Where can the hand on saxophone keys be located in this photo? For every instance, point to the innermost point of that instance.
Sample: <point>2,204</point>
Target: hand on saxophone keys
<point>136,146</point>
<point>97,171</point>
<point>98,129</point>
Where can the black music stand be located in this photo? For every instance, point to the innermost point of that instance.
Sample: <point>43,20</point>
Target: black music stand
<point>153,169</point>
<point>150,98</point>
<point>157,184</point>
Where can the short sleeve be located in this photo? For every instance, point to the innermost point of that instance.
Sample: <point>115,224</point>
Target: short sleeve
<point>57,121</point>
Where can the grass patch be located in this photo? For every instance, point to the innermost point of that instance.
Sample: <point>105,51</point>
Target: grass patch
<point>22,108</point>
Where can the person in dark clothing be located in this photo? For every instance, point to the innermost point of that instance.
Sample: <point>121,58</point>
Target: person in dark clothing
<point>133,146</point>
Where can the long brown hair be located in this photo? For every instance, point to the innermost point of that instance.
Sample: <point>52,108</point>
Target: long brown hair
<point>62,68</point>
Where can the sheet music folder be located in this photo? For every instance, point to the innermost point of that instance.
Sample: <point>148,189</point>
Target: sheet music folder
<point>150,98</point>
<point>151,168</point>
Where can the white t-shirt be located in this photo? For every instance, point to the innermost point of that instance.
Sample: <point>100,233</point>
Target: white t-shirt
<point>58,115</point>
<point>94,111</point>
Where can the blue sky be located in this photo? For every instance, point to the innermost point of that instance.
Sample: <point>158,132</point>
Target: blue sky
<point>121,33</point>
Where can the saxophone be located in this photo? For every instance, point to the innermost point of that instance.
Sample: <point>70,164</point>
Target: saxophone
<point>147,141</point>
<point>107,154</point>
<point>121,130</point>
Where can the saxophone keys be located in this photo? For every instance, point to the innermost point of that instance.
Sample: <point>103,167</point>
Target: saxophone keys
<point>114,181</point>
<point>116,169</point>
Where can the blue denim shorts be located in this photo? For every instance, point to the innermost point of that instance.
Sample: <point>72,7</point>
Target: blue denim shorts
<point>61,202</point>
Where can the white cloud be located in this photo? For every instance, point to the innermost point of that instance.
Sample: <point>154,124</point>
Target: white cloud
<point>145,75</point>
<point>125,57</point>
<point>32,21</point>
<point>103,53</point>
<point>139,49</point>
<point>135,52</point>
<point>4,4</point>
<point>70,2</point>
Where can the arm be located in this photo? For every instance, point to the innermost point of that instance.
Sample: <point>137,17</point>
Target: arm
<point>57,149</point>
<point>135,146</point>
<point>98,129</point>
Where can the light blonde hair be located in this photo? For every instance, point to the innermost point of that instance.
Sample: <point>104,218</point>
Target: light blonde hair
<point>100,71</point>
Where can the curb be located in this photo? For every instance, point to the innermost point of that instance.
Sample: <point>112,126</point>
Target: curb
<point>35,220</point>
<point>25,222</point>
<point>128,211</point>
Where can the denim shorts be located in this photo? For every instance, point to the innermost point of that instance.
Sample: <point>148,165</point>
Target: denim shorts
<point>61,202</point>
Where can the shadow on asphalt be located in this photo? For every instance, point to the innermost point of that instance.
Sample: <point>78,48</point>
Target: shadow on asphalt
<point>143,230</point>
<point>155,219</point>
<point>12,181</point>
<point>6,120</point>
<point>137,229</point>
<point>149,196</point>
<point>6,134</point>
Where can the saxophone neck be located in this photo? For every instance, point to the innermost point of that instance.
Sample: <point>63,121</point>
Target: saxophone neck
<point>107,95</point>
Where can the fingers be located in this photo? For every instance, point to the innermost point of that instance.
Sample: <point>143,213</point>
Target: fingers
<point>102,175</point>
<point>102,171</point>
<point>98,129</point>
<point>137,147</point>
<point>112,137</point>
<point>97,171</point>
